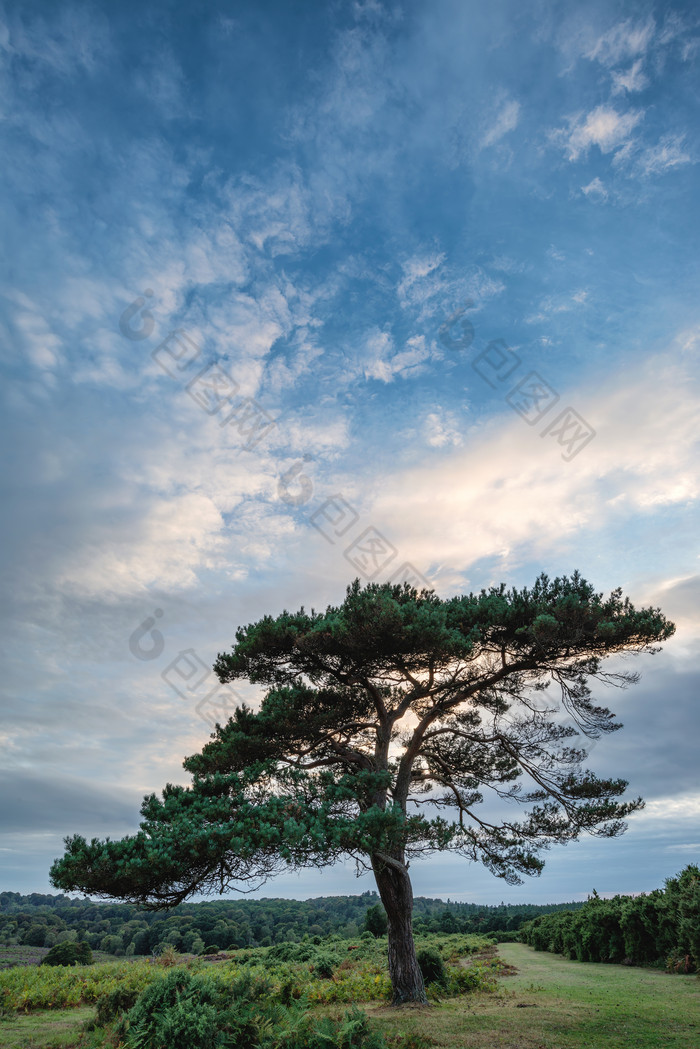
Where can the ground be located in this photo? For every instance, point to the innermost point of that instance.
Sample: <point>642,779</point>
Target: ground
<point>548,1003</point>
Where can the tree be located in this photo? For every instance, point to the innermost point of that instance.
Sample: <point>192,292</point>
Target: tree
<point>386,722</point>
<point>376,920</point>
<point>68,954</point>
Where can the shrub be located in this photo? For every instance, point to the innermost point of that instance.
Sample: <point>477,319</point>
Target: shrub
<point>432,965</point>
<point>352,1032</point>
<point>324,964</point>
<point>67,953</point>
<point>376,920</point>
<point>185,1011</point>
<point>114,1003</point>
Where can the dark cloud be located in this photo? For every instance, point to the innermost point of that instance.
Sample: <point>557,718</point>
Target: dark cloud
<point>33,804</point>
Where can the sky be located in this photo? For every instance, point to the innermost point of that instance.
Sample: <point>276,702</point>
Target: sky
<point>293,293</point>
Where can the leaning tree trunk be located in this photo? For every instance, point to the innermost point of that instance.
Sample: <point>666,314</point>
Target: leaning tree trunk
<point>396,894</point>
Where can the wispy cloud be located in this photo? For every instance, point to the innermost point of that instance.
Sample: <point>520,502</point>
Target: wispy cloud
<point>629,80</point>
<point>505,120</point>
<point>667,154</point>
<point>623,41</point>
<point>595,190</point>
<point>603,127</point>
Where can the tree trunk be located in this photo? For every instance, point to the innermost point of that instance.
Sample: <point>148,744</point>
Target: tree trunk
<point>396,894</point>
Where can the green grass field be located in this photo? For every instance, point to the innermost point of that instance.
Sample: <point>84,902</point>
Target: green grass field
<point>550,1003</point>
<point>553,1003</point>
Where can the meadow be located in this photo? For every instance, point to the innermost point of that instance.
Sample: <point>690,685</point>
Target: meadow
<point>501,997</point>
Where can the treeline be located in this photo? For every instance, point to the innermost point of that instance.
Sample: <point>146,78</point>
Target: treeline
<point>40,920</point>
<point>657,928</point>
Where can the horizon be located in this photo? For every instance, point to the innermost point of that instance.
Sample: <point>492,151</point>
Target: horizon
<point>294,294</point>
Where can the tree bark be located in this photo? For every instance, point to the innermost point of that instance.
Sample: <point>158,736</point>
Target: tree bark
<point>396,894</point>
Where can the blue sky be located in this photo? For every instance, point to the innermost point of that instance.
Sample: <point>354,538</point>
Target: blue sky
<point>294,292</point>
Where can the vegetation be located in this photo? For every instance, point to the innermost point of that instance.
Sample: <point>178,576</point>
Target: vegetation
<point>658,928</point>
<point>548,1002</point>
<point>390,702</point>
<point>332,971</point>
<point>30,924</point>
<point>67,953</point>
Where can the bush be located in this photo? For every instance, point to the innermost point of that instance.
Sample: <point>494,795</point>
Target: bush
<point>67,953</point>
<point>640,930</point>
<point>432,966</point>
<point>114,1003</point>
<point>323,965</point>
<point>352,1032</point>
<point>182,1011</point>
<point>376,920</point>
<point>171,1012</point>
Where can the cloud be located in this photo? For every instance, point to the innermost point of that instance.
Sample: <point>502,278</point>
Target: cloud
<point>33,802</point>
<point>667,154</point>
<point>507,496</point>
<point>387,366</point>
<point>421,278</point>
<point>623,41</point>
<point>632,79</point>
<point>603,127</point>
<point>442,429</point>
<point>595,190</point>
<point>505,120</point>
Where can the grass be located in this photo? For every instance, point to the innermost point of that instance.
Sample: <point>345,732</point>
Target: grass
<point>57,1029</point>
<point>550,1003</point>
<point>553,1003</point>
<point>19,955</point>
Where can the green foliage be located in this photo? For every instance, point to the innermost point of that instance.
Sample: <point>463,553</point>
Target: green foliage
<point>324,965</point>
<point>358,976</point>
<point>176,1011</point>
<point>432,966</point>
<point>185,1011</point>
<point>241,922</point>
<point>376,920</point>
<point>112,1004</point>
<point>643,930</point>
<point>308,778</point>
<point>68,953</point>
<point>311,776</point>
<point>353,1032</point>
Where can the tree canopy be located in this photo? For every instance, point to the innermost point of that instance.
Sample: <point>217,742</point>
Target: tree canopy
<point>393,726</point>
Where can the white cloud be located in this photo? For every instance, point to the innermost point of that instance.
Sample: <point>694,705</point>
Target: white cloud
<point>42,346</point>
<point>405,364</point>
<point>507,493</point>
<point>595,190</point>
<point>441,429</point>
<point>624,41</point>
<point>506,120</point>
<point>603,127</point>
<point>664,156</point>
<point>632,79</point>
<point>421,279</point>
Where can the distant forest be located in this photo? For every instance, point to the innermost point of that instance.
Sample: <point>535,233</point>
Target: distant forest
<point>40,920</point>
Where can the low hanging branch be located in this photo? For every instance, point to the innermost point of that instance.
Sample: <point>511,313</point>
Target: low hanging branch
<point>380,715</point>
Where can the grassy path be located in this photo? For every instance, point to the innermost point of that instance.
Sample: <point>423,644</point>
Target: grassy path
<point>553,1003</point>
